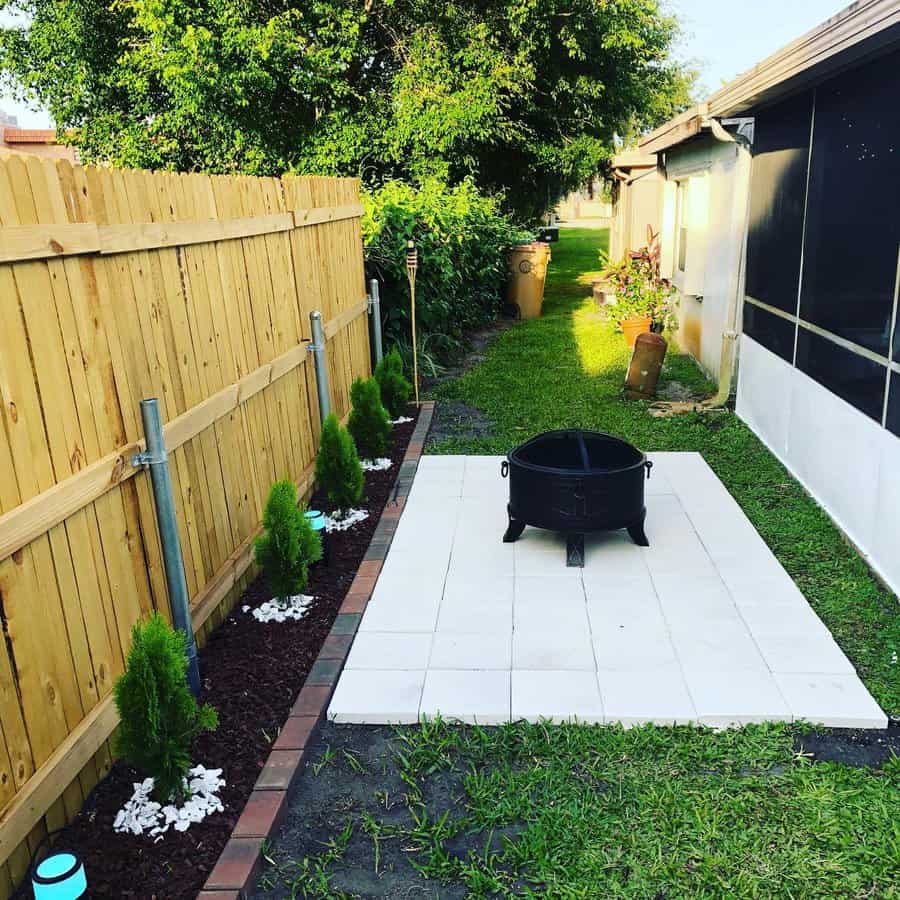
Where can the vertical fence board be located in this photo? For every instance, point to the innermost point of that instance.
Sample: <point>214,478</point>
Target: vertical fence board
<point>83,338</point>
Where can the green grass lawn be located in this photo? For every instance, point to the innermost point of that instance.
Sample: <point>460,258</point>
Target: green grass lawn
<point>569,811</point>
<point>566,369</point>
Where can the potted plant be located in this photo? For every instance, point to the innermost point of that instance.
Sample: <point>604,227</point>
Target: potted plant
<point>644,300</point>
<point>645,303</point>
<point>612,278</point>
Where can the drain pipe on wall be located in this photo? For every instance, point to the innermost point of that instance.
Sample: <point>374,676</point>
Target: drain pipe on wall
<point>728,359</point>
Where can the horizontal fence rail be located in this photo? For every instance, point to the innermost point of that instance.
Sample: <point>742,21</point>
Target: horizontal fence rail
<point>115,286</point>
<point>24,242</point>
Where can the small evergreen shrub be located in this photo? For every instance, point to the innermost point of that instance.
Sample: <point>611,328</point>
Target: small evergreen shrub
<point>338,469</point>
<point>369,423</point>
<point>160,717</point>
<point>289,544</point>
<point>395,389</point>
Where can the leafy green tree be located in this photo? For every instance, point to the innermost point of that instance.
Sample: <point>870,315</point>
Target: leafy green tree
<point>160,717</point>
<point>395,389</point>
<point>288,545</point>
<point>526,97</point>
<point>338,469</point>
<point>369,423</point>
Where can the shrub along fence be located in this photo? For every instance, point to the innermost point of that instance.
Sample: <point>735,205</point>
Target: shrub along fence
<point>116,286</point>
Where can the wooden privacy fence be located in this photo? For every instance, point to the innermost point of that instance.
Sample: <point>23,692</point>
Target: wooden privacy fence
<point>115,286</point>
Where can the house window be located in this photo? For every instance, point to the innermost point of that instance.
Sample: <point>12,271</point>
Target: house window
<point>681,221</point>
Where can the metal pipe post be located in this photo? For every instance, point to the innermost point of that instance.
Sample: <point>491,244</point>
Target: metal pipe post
<point>156,459</point>
<point>375,315</point>
<point>317,348</point>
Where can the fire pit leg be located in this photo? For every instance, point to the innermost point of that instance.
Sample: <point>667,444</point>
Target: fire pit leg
<point>637,532</point>
<point>575,550</point>
<point>513,530</point>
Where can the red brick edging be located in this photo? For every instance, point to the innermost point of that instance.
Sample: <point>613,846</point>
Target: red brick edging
<point>236,869</point>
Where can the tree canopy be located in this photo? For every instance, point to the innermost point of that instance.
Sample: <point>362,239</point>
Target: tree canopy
<point>524,96</point>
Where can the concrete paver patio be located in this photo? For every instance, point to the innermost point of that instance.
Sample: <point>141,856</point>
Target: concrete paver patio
<point>702,626</point>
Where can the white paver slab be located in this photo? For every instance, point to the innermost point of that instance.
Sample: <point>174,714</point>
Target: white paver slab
<point>736,697</point>
<point>840,701</point>
<point>481,650</point>
<point>654,693</point>
<point>390,650</point>
<point>560,696</point>
<point>468,695</point>
<point>473,604</point>
<point>704,625</point>
<point>411,614</point>
<point>804,652</point>
<point>715,645</point>
<point>613,554</point>
<point>364,696</point>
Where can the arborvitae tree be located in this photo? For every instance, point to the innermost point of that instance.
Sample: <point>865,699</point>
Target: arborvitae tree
<point>369,421</point>
<point>160,717</point>
<point>289,544</point>
<point>338,469</point>
<point>395,389</point>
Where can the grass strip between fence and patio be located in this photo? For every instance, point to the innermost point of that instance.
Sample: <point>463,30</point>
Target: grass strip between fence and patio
<point>566,370</point>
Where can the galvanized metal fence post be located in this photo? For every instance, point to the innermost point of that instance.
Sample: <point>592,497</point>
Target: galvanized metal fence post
<point>156,459</point>
<point>375,316</point>
<point>317,348</point>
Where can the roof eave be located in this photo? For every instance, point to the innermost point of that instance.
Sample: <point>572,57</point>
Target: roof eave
<point>862,29</point>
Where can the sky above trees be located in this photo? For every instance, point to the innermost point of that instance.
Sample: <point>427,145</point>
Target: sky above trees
<point>722,46</point>
<point>724,39</point>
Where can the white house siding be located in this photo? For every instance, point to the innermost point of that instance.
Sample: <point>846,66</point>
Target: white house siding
<point>638,206</point>
<point>844,458</point>
<point>718,176</point>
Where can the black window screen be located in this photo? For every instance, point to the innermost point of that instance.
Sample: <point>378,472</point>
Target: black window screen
<point>853,206</point>
<point>854,378</point>
<point>777,193</point>
<point>773,332</point>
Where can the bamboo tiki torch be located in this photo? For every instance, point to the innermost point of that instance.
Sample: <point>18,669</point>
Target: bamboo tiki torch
<point>412,263</point>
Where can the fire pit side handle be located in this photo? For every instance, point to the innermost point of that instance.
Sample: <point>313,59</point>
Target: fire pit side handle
<point>649,465</point>
<point>504,468</point>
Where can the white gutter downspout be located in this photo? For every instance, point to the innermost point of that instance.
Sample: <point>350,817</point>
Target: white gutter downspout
<point>728,359</point>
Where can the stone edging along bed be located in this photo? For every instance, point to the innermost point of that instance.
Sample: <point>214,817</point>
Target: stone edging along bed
<point>238,865</point>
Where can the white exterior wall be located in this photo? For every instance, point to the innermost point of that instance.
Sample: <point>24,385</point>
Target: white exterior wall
<point>639,205</point>
<point>719,181</point>
<point>846,460</point>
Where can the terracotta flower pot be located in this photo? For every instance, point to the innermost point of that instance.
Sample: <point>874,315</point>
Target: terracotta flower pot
<point>631,328</point>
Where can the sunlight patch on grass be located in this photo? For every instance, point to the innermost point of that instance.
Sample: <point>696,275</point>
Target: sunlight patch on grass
<point>598,356</point>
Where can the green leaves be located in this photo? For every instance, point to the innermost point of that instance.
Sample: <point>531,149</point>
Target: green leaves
<point>498,92</point>
<point>461,237</point>
<point>288,545</point>
<point>369,423</point>
<point>338,470</point>
<point>395,389</point>
<point>160,717</point>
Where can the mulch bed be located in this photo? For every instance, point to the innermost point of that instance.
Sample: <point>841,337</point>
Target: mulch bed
<point>252,674</point>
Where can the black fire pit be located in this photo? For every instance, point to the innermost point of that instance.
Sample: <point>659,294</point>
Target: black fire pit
<point>574,482</point>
